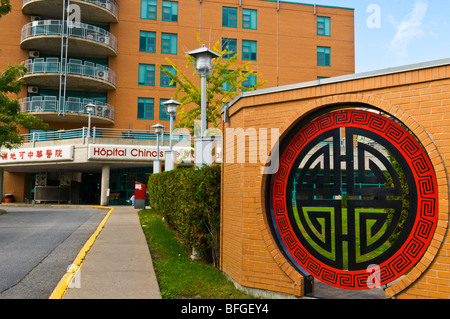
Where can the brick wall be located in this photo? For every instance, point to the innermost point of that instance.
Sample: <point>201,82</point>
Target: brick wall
<point>419,97</point>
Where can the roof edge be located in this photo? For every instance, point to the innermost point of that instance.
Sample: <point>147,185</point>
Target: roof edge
<point>343,78</point>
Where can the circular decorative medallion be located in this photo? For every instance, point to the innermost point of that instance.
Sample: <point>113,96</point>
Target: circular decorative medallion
<point>355,200</point>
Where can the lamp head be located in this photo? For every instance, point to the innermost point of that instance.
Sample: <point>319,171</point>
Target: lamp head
<point>90,108</point>
<point>171,106</point>
<point>203,57</point>
<point>159,128</point>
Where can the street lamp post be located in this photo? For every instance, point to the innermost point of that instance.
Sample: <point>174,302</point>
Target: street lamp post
<point>159,129</point>
<point>90,108</point>
<point>171,108</point>
<point>204,67</point>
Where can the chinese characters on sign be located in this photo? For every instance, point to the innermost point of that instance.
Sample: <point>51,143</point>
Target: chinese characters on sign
<point>56,153</point>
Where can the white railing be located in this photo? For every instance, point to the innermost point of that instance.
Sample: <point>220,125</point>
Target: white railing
<point>74,66</point>
<point>109,5</point>
<point>37,104</point>
<point>77,30</point>
<point>100,133</point>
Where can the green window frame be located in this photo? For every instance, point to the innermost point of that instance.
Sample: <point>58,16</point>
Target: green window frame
<point>165,79</point>
<point>249,49</point>
<point>163,115</point>
<point>170,11</point>
<point>324,26</point>
<point>146,108</point>
<point>249,19</point>
<point>146,74</point>
<point>229,45</point>
<point>229,17</point>
<point>149,9</point>
<point>147,41</point>
<point>323,56</point>
<point>169,43</point>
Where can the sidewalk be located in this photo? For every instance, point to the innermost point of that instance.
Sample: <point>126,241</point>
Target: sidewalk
<point>118,265</point>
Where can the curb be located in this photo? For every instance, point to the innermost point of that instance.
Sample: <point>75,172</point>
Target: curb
<point>63,284</point>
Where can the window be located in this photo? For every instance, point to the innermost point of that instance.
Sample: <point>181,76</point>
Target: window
<point>229,45</point>
<point>229,17</point>
<point>169,43</point>
<point>250,82</point>
<point>323,26</point>
<point>163,115</point>
<point>249,19</point>
<point>165,79</point>
<point>148,9</point>
<point>147,41</point>
<point>146,108</point>
<point>170,11</point>
<point>226,86</point>
<point>248,50</point>
<point>323,56</point>
<point>147,74</point>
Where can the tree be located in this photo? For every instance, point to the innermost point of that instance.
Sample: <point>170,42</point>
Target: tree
<point>10,116</point>
<point>226,82</point>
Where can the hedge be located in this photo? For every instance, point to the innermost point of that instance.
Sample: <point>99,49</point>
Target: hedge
<point>189,200</point>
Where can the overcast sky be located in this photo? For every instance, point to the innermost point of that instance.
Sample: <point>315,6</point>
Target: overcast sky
<point>391,33</point>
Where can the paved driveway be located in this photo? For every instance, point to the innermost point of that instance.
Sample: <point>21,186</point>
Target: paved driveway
<point>38,244</point>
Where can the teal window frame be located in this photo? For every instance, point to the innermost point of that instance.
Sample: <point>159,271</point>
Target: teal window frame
<point>249,19</point>
<point>146,108</point>
<point>249,50</point>
<point>250,82</point>
<point>146,74</point>
<point>170,11</point>
<point>324,26</point>
<point>149,9</point>
<point>165,79</point>
<point>229,45</point>
<point>229,17</point>
<point>147,41</point>
<point>169,43</point>
<point>163,115</point>
<point>323,56</point>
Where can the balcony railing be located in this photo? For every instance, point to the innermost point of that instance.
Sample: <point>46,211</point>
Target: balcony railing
<point>76,30</point>
<point>102,133</point>
<point>109,5</point>
<point>38,104</point>
<point>74,67</point>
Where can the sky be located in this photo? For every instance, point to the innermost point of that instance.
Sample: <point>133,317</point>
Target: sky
<point>390,33</point>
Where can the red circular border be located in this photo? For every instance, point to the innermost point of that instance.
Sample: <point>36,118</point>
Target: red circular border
<point>427,195</point>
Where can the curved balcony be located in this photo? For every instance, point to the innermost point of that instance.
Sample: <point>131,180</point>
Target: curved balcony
<point>80,76</point>
<point>84,39</point>
<point>98,11</point>
<point>47,108</point>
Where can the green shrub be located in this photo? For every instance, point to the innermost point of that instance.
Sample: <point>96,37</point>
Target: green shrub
<point>189,200</point>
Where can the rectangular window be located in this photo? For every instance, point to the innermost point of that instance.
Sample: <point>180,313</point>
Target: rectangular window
<point>170,11</point>
<point>323,26</point>
<point>147,74</point>
<point>323,56</point>
<point>148,9</point>
<point>169,43</point>
<point>165,79</point>
<point>146,107</point>
<point>229,17</point>
<point>226,86</point>
<point>249,18</point>
<point>250,82</point>
<point>163,115</point>
<point>249,50</point>
<point>147,41</point>
<point>229,45</point>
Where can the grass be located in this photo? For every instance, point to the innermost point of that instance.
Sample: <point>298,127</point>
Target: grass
<point>178,275</point>
<point>3,212</point>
